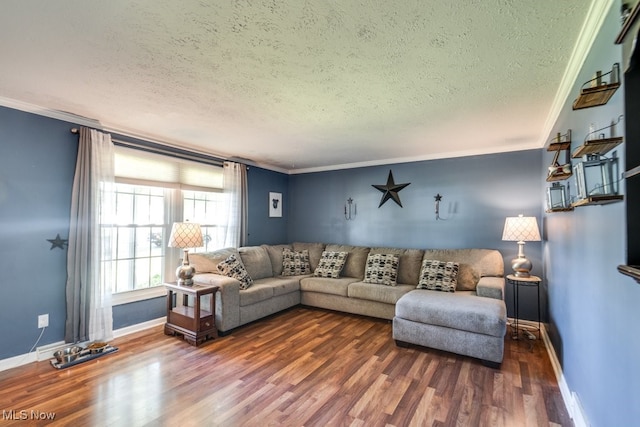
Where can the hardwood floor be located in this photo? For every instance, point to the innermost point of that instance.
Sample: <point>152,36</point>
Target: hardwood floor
<point>303,367</point>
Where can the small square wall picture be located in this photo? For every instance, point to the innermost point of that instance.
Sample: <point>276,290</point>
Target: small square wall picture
<point>275,205</point>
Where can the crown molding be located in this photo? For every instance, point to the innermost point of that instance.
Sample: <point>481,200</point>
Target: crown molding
<point>53,114</point>
<point>438,156</point>
<point>593,23</point>
<point>95,124</point>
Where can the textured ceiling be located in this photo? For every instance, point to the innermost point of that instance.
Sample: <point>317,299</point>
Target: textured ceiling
<point>298,85</point>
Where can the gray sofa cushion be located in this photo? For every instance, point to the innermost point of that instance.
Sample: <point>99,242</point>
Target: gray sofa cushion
<point>464,312</point>
<point>255,294</point>
<point>356,260</point>
<point>408,265</point>
<point>376,292</point>
<point>275,255</point>
<point>257,262</point>
<point>207,262</point>
<point>284,284</point>
<point>325,285</point>
<point>474,264</point>
<point>491,287</point>
<point>315,251</point>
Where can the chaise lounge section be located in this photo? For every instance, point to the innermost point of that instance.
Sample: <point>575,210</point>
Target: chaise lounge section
<point>379,282</point>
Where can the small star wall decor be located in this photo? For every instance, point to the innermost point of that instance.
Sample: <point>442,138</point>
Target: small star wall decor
<point>58,242</point>
<point>390,190</point>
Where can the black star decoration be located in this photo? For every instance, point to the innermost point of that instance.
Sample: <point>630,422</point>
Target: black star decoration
<point>390,190</point>
<point>57,242</point>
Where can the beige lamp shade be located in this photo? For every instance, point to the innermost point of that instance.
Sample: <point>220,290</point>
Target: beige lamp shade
<point>185,235</point>
<point>521,229</point>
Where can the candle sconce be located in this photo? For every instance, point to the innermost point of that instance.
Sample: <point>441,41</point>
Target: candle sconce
<point>438,198</point>
<point>350,210</point>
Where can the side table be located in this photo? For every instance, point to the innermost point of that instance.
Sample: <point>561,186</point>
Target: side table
<point>517,282</point>
<point>191,312</point>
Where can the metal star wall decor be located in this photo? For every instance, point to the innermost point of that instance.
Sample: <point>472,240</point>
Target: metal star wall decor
<point>58,242</point>
<point>390,190</point>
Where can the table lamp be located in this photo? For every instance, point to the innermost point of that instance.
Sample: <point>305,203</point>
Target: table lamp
<point>521,229</point>
<point>185,235</point>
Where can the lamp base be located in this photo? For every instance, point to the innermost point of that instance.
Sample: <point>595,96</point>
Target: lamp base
<point>521,266</point>
<point>184,275</point>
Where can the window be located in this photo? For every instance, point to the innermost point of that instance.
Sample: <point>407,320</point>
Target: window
<point>138,250</point>
<point>207,209</point>
<point>151,193</point>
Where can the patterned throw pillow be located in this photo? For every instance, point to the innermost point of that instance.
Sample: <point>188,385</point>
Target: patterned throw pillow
<point>233,267</point>
<point>381,269</point>
<point>295,263</point>
<point>438,275</point>
<point>331,264</point>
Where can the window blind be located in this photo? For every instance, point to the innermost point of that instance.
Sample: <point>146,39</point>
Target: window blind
<point>144,168</point>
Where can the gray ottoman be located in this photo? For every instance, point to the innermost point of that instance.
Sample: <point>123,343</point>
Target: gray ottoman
<point>460,323</point>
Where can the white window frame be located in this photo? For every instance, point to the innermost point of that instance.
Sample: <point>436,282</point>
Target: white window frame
<point>173,213</point>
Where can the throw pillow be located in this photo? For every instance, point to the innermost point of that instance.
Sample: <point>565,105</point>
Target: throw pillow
<point>295,263</point>
<point>381,269</point>
<point>233,267</point>
<point>331,264</point>
<point>438,275</point>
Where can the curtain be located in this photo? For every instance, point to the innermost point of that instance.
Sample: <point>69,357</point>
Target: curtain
<point>88,288</point>
<point>234,184</point>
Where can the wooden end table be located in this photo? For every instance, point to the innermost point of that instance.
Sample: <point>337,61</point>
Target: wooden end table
<point>191,312</point>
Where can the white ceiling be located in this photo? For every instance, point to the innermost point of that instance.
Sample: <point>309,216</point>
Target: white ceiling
<point>299,85</point>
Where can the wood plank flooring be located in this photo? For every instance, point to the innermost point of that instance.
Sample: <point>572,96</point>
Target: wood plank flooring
<point>302,367</point>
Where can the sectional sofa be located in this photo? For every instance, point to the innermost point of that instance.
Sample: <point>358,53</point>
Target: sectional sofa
<point>462,309</point>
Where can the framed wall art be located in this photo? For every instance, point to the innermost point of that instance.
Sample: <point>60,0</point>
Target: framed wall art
<point>275,205</point>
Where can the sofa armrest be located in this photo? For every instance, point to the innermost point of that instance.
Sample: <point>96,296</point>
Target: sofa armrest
<point>227,299</point>
<point>491,287</point>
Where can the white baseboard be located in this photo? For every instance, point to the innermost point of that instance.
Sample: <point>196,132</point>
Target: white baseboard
<point>45,352</point>
<point>139,327</point>
<point>571,400</point>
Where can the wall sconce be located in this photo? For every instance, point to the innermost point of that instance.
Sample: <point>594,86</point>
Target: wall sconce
<point>438,198</point>
<point>350,210</point>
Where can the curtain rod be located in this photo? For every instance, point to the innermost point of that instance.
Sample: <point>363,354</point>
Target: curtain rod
<point>158,149</point>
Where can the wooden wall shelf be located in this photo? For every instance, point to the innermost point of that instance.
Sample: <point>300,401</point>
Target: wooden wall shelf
<point>559,146</point>
<point>631,271</point>
<point>562,143</point>
<point>559,177</point>
<point>597,146</point>
<point>628,24</point>
<point>597,200</point>
<point>569,209</point>
<point>595,96</point>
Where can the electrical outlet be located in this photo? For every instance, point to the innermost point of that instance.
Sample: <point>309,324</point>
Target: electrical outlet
<point>43,321</point>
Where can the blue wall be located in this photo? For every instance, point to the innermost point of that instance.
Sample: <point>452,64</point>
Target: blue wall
<point>262,228</point>
<point>593,310</point>
<point>37,164</point>
<point>36,174</point>
<point>479,192</point>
